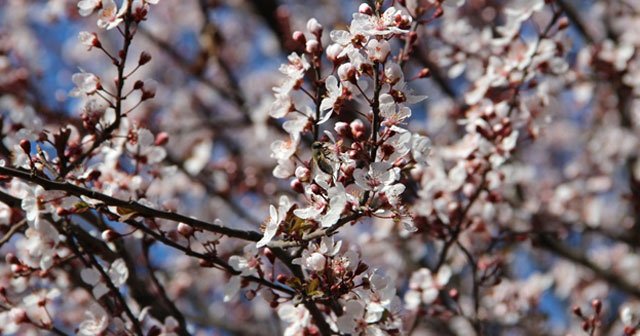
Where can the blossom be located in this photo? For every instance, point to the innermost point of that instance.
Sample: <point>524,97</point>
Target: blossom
<point>274,220</point>
<point>247,264</point>
<point>332,100</point>
<point>284,149</point>
<point>379,175</point>
<point>86,7</point>
<point>86,84</point>
<point>88,39</point>
<point>316,257</point>
<point>393,113</point>
<point>40,245</point>
<point>420,148</point>
<point>142,145</point>
<point>353,320</point>
<point>379,298</point>
<point>424,286</point>
<point>372,25</point>
<point>118,274</point>
<point>34,204</point>
<point>170,327</point>
<point>109,16</point>
<point>95,322</point>
<point>298,318</point>
<point>271,227</point>
<point>200,155</point>
<point>378,50</point>
<point>294,72</point>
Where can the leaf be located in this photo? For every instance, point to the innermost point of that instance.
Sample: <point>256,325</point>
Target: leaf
<point>126,213</point>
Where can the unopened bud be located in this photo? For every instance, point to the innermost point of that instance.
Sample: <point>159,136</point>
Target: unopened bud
<point>425,72</point>
<point>365,9</point>
<point>362,267</point>
<point>60,211</point>
<point>250,295</point>
<point>269,254</point>
<point>26,146</point>
<point>109,235</point>
<point>563,23</point>
<point>18,315</point>
<point>347,73</point>
<point>343,129</point>
<point>314,27</point>
<point>313,47</point>
<point>297,186</point>
<point>577,311</point>
<point>138,85</point>
<point>145,57</point>
<point>185,230</point>
<point>161,139</point>
<point>454,294</point>
<point>154,331</point>
<point>357,129</point>
<point>333,52</point>
<point>299,38</point>
<point>586,325</point>
<point>11,258</point>
<point>597,306</point>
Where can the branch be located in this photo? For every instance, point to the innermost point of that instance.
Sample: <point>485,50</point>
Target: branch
<point>143,210</point>
<point>556,247</point>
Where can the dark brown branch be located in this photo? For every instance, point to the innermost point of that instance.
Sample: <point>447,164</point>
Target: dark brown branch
<point>553,245</point>
<point>140,209</point>
<point>163,293</point>
<point>574,16</point>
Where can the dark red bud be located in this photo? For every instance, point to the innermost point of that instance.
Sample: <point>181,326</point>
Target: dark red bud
<point>26,146</point>
<point>145,57</point>
<point>162,139</point>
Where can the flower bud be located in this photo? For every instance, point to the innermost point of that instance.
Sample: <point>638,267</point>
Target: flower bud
<point>109,235</point>
<point>303,173</point>
<point>357,129</point>
<point>314,27</point>
<point>185,230</point>
<point>577,311</point>
<point>269,254</point>
<point>297,186</point>
<point>149,90</point>
<point>365,9</point>
<point>597,306</point>
<point>18,315</point>
<point>333,52</point>
<point>347,73</point>
<point>11,259</point>
<point>26,146</point>
<point>60,211</point>
<point>313,47</point>
<point>425,72</point>
<point>162,139</point>
<point>563,23</point>
<point>299,38</point>
<point>145,57</point>
<point>342,129</point>
<point>454,294</point>
<point>138,85</point>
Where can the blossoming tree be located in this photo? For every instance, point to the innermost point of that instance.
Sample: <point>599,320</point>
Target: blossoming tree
<point>415,167</point>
